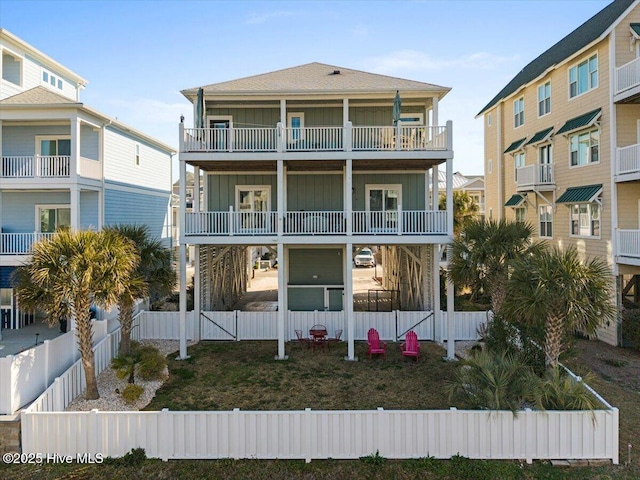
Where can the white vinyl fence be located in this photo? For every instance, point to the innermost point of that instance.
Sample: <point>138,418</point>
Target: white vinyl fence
<point>311,434</point>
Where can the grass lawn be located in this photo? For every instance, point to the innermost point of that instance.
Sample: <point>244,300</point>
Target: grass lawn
<point>245,375</point>
<point>226,375</point>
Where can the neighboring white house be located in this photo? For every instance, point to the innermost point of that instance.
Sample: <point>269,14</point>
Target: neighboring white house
<point>65,164</point>
<point>310,163</point>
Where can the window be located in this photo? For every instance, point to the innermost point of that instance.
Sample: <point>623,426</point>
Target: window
<point>544,99</point>
<point>60,84</point>
<point>411,119</point>
<point>490,166</point>
<point>518,112</point>
<point>295,122</point>
<point>11,68</point>
<point>521,214</point>
<point>489,119</point>
<point>585,220</point>
<point>383,204</point>
<point>45,77</point>
<point>53,217</point>
<point>584,148</point>
<point>583,77</point>
<point>49,78</point>
<point>546,221</point>
<point>490,213</point>
<point>518,159</point>
<point>137,154</point>
<point>53,147</point>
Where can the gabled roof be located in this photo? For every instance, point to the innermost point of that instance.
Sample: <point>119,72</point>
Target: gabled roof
<point>317,77</point>
<point>582,36</point>
<point>38,96</point>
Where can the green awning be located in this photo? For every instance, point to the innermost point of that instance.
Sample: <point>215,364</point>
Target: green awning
<point>583,121</point>
<point>515,200</point>
<point>635,28</point>
<point>584,194</point>
<point>541,136</point>
<point>515,145</point>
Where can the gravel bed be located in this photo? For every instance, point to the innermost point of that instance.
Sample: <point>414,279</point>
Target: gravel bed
<point>462,347</point>
<point>109,385</point>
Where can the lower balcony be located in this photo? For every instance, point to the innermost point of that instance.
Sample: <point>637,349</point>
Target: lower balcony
<point>629,244</point>
<point>316,223</point>
<point>535,177</point>
<point>628,162</point>
<point>20,243</point>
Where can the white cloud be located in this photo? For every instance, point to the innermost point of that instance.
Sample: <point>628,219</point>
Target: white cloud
<point>255,18</point>
<point>413,60</point>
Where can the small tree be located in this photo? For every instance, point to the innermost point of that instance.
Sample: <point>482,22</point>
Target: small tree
<point>153,276</point>
<point>558,293</point>
<point>69,272</point>
<point>465,208</point>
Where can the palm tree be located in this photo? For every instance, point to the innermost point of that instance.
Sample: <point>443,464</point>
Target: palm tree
<point>154,276</point>
<point>559,293</point>
<point>464,209</point>
<point>69,272</point>
<point>483,253</point>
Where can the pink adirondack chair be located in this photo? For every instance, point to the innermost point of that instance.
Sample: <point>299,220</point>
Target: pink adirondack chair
<point>376,346</point>
<point>410,347</point>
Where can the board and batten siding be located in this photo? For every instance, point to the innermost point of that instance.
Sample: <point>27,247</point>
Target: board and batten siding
<point>249,117</point>
<point>129,204</point>
<point>315,266</point>
<point>315,193</point>
<point>222,189</point>
<point>154,170</point>
<point>412,189</point>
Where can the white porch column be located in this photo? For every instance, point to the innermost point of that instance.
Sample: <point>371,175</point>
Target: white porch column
<point>437,334</point>
<point>281,186</point>
<point>183,264</point>
<point>197,307</point>
<point>282,305</point>
<point>74,166</point>
<point>101,209</point>
<point>450,197</point>
<point>283,112</point>
<point>196,189</point>
<point>434,188</point>
<point>348,195</point>
<point>74,194</point>
<point>451,312</point>
<point>434,112</point>
<point>348,298</point>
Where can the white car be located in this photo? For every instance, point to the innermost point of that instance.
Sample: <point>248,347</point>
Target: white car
<point>364,258</point>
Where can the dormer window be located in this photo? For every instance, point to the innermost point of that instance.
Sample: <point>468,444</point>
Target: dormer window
<point>11,68</point>
<point>50,79</point>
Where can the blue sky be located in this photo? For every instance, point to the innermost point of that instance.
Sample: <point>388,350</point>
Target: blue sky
<point>137,55</point>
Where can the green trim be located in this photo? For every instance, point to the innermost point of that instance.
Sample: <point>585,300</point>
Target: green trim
<point>514,201</point>
<point>586,194</point>
<point>583,121</point>
<point>540,136</point>
<point>515,145</point>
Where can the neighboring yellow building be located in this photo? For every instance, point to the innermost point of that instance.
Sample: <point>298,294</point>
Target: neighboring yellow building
<point>562,146</point>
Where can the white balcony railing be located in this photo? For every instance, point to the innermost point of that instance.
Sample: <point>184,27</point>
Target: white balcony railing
<point>627,76</point>
<point>535,175</point>
<point>629,243</point>
<point>628,159</point>
<point>20,243</point>
<point>417,222</point>
<point>326,139</point>
<point>36,166</point>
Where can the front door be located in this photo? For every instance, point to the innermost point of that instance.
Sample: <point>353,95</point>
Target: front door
<point>545,160</point>
<point>220,133</point>
<point>253,206</point>
<point>383,206</point>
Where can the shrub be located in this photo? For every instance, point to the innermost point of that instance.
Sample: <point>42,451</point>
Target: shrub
<point>152,364</point>
<point>558,391</point>
<point>132,393</point>
<point>631,328</point>
<point>373,459</point>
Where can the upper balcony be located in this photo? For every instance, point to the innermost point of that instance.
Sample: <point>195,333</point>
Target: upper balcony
<point>46,167</point>
<point>535,178</point>
<point>628,163</point>
<point>281,139</point>
<point>627,83</point>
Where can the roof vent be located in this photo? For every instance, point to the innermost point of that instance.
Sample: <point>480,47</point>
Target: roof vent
<point>335,72</point>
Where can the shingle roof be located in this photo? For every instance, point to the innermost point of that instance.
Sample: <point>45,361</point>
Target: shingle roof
<point>582,121</point>
<point>580,194</point>
<point>38,96</point>
<point>315,76</point>
<point>572,43</point>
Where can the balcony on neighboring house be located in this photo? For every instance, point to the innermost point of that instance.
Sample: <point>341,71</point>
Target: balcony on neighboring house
<point>233,223</point>
<point>316,139</point>
<point>628,246</point>
<point>535,178</point>
<point>627,82</point>
<point>47,167</point>
<point>20,243</point>
<point>628,163</point>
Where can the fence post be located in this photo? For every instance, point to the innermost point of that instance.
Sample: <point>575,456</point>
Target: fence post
<point>237,429</point>
<point>307,450</point>
<point>58,399</point>
<point>614,436</point>
<point>527,432</point>
<point>382,434</point>
<point>47,362</point>
<point>166,440</point>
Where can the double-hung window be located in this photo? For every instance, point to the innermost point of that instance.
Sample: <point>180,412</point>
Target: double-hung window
<point>585,220</point>
<point>546,221</point>
<point>518,112</point>
<point>584,147</point>
<point>583,77</point>
<point>521,214</point>
<point>544,99</point>
<point>518,161</point>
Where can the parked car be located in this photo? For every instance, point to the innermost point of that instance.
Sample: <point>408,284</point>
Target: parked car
<point>364,258</point>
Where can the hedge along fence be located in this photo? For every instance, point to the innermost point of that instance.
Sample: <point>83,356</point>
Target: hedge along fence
<point>309,435</point>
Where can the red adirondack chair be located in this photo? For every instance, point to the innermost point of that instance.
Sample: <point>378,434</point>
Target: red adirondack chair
<point>376,346</point>
<point>411,346</point>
